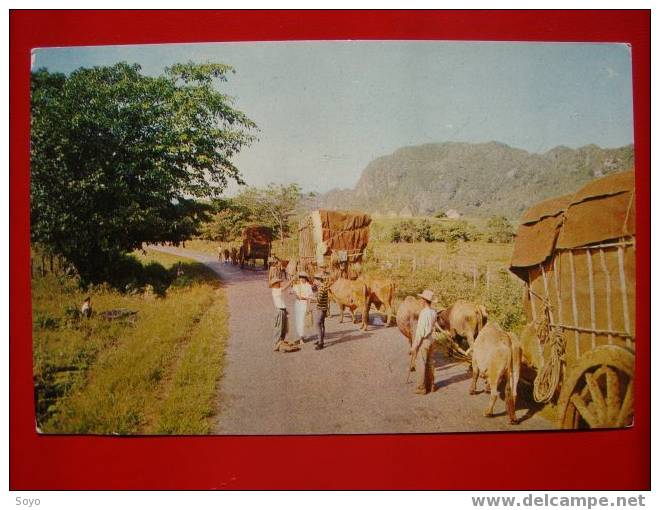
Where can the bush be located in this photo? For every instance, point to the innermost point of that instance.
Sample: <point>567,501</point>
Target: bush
<point>499,230</point>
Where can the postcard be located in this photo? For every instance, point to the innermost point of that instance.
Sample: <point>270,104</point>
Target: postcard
<point>333,237</point>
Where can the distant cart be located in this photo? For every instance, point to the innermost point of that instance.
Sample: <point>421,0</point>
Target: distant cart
<point>333,240</point>
<point>257,240</point>
<point>576,255</point>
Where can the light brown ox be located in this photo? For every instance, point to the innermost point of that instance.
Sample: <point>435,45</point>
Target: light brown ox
<point>496,357</point>
<point>463,319</point>
<point>407,315</point>
<point>380,293</point>
<point>351,294</point>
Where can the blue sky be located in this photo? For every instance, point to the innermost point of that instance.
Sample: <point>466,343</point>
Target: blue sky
<point>325,109</point>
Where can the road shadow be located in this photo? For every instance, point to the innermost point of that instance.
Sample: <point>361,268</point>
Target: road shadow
<point>526,398</point>
<point>343,337</point>
<point>441,365</point>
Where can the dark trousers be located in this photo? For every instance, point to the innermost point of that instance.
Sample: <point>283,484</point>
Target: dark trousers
<point>319,320</point>
<point>281,326</point>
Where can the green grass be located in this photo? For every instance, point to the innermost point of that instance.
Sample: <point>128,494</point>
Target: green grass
<point>155,375</point>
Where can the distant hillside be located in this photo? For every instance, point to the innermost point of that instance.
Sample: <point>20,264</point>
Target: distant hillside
<point>474,179</point>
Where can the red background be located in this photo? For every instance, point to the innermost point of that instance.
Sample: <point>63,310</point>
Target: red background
<point>543,460</point>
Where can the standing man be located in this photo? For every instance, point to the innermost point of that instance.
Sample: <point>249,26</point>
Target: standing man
<point>321,282</point>
<point>304,293</point>
<point>281,326</point>
<point>422,346</point>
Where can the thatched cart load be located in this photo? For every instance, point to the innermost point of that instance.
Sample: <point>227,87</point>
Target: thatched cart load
<point>328,238</point>
<point>257,241</point>
<point>576,254</point>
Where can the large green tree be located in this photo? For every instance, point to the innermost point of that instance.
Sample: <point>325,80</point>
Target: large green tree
<point>119,158</point>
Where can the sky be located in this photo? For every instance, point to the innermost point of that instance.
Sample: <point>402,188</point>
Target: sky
<point>326,109</point>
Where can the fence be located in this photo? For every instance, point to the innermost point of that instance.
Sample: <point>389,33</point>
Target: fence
<point>477,271</point>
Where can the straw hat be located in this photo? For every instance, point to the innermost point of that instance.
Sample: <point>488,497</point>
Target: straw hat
<point>427,295</point>
<point>303,274</point>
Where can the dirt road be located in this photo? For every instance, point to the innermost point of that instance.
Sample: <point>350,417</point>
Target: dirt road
<point>355,385</point>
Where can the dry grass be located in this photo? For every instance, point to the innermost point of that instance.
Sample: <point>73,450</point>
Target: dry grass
<point>156,375</point>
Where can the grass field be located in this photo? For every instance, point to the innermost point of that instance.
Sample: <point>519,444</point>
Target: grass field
<point>156,374</point>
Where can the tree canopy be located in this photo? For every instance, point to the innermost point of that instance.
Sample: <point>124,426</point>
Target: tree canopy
<point>119,158</point>
<point>272,206</point>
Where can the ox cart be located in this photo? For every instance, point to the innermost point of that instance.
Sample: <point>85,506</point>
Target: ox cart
<point>576,255</point>
<point>333,240</point>
<point>257,241</point>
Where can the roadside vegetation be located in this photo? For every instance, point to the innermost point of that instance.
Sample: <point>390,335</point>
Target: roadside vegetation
<point>154,371</point>
<point>120,158</point>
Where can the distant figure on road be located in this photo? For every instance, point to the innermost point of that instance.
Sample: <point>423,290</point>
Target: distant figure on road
<point>304,293</point>
<point>422,345</point>
<point>281,326</point>
<point>321,282</point>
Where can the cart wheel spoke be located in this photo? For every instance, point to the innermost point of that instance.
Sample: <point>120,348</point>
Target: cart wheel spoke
<point>599,406</point>
<point>613,395</point>
<point>584,411</point>
<point>626,407</point>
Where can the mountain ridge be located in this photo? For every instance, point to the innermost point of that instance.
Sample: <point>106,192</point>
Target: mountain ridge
<point>474,179</point>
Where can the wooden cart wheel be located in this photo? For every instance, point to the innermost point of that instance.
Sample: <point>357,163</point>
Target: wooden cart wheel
<point>599,390</point>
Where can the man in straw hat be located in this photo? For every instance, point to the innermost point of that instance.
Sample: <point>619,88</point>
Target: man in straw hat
<point>422,345</point>
<point>321,282</point>
<point>304,293</point>
<point>281,326</point>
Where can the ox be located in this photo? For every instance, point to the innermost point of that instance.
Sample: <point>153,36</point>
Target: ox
<point>227,255</point>
<point>407,315</point>
<point>351,294</point>
<point>463,319</point>
<point>496,357</point>
<point>380,293</point>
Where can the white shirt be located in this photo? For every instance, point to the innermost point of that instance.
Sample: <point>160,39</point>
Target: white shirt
<point>303,291</point>
<point>425,323</point>
<point>277,298</point>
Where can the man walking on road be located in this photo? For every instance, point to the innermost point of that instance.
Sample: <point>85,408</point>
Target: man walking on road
<point>422,346</point>
<point>321,282</point>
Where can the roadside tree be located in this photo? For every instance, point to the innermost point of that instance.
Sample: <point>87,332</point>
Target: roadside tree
<point>119,158</point>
